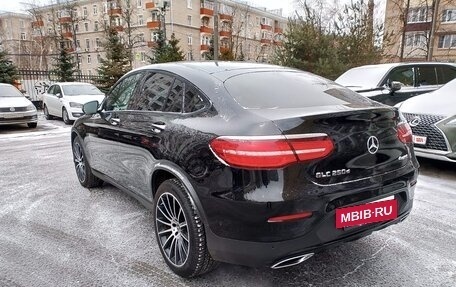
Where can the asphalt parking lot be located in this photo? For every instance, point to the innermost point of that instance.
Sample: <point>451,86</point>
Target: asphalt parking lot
<point>53,232</point>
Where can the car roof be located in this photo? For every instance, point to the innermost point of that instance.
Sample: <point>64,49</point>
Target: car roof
<point>5,84</point>
<point>393,65</point>
<point>221,70</point>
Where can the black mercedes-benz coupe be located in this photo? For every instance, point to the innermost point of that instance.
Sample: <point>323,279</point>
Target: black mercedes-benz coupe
<point>248,164</point>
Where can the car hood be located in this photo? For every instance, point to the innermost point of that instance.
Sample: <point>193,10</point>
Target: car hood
<point>82,99</point>
<point>7,102</point>
<point>429,104</point>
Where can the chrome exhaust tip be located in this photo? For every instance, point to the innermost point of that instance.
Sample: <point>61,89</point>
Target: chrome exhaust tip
<point>288,262</point>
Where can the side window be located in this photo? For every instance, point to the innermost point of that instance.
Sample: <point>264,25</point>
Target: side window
<point>403,75</point>
<point>426,76</point>
<point>154,93</point>
<point>445,74</point>
<point>50,91</point>
<point>175,98</point>
<point>119,97</point>
<point>193,100</point>
<point>57,90</point>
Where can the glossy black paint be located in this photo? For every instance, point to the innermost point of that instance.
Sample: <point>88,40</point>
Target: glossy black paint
<point>136,150</point>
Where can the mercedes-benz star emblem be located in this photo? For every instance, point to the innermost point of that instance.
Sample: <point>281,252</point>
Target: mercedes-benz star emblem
<point>12,109</point>
<point>372,145</point>
<point>416,121</point>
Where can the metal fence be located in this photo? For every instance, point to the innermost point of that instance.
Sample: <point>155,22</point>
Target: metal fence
<point>36,82</point>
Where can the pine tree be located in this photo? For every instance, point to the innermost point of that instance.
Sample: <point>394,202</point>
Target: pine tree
<point>116,63</point>
<point>167,52</point>
<point>8,72</point>
<point>65,66</point>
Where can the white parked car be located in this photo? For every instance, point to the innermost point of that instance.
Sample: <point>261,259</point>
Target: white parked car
<point>15,108</point>
<point>65,100</point>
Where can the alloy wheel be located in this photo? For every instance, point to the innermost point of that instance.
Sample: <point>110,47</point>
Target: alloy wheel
<point>79,162</point>
<point>172,229</point>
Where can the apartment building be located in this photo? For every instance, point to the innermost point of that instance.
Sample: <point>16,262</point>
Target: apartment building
<point>16,39</point>
<point>418,30</point>
<point>251,33</point>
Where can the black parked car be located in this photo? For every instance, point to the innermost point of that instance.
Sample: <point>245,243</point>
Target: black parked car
<point>249,164</point>
<point>394,83</point>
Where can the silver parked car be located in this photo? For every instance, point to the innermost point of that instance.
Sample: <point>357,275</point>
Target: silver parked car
<point>15,108</point>
<point>394,83</point>
<point>432,117</point>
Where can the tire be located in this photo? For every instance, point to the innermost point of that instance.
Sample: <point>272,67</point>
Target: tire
<point>46,113</point>
<point>82,166</point>
<point>65,117</point>
<point>181,238</point>
<point>32,125</point>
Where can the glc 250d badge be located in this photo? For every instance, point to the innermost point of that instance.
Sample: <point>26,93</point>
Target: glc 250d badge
<point>332,173</point>
<point>373,145</point>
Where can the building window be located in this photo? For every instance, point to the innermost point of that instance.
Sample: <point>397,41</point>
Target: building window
<point>78,44</point>
<point>89,59</point>
<point>76,27</point>
<point>416,40</point>
<point>80,59</point>
<point>447,41</point>
<point>449,15</point>
<point>154,36</point>
<point>96,26</point>
<point>98,58</point>
<point>189,39</point>
<point>417,15</point>
<point>143,56</point>
<point>205,40</point>
<point>86,26</point>
<point>139,3</point>
<point>88,44</point>
<point>22,24</point>
<point>84,12</point>
<point>141,37</point>
<point>95,10</point>
<point>97,43</point>
<point>189,4</point>
<point>105,7</point>
<point>189,20</point>
<point>140,20</point>
<point>23,36</point>
<point>190,56</point>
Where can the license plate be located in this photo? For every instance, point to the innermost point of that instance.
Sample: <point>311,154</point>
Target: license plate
<point>12,115</point>
<point>419,140</point>
<point>376,211</point>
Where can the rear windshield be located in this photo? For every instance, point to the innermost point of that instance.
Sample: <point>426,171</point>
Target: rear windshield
<point>288,89</point>
<point>9,91</point>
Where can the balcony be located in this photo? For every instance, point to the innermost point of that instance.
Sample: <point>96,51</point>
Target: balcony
<point>224,34</point>
<point>205,48</point>
<point>153,25</point>
<point>224,50</point>
<point>152,44</point>
<point>265,41</point>
<point>115,12</point>
<point>225,17</point>
<point>206,30</point>
<point>38,23</point>
<point>418,27</point>
<point>118,28</point>
<point>266,27</point>
<point>65,20</point>
<point>67,35</point>
<point>70,50</point>
<point>278,30</point>
<point>151,6</point>
<point>207,9</point>
<point>278,43</point>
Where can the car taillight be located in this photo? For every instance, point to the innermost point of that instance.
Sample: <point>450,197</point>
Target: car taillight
<point>270,152</point>
<point>404,132</point>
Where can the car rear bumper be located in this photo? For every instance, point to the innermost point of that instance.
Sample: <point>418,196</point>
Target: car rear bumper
<point>268,254</point>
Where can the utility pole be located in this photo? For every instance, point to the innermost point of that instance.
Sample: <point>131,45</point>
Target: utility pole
<point>435,15</point>
<point>216,31</point>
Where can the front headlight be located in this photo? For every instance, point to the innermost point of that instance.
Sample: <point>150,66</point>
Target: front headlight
<point>31,107</point>
<point>75,105</point>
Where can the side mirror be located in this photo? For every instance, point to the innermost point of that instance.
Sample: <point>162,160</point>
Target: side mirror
<point>394,86</point>
<point>58,95</point>
<point>90,108</point>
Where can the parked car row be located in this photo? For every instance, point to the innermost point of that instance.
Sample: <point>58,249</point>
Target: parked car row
<point>15,108</point>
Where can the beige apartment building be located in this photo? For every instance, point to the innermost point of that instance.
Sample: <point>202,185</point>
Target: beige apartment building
<point>251,33</point>
<point>419,30</point>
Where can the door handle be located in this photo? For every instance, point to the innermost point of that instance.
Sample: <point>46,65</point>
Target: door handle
<point>114,121</point>
<point>158,127</point>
